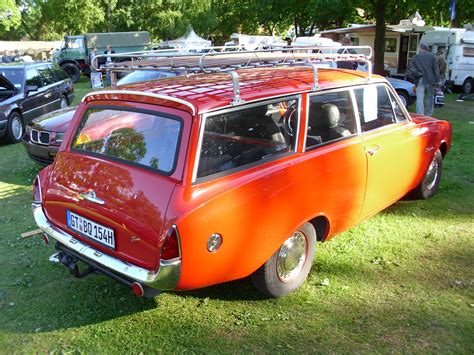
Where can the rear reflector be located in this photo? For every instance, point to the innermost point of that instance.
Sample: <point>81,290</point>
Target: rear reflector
<point>138,289</point>
<point>37,190</point>
<point>171,245</point>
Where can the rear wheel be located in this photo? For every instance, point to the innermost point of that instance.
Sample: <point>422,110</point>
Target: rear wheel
<point>15,128</point>
<point>72,71</point>
<point>467,86</point>
<point>289,267</point>
<point>428,186</point>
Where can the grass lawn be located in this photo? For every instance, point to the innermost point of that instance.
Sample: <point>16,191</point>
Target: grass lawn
<point>402,281</point>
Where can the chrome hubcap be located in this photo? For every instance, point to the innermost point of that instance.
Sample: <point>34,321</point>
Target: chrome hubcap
<point>17,128</point>
<point>291,257</point>
<point>431,174</point>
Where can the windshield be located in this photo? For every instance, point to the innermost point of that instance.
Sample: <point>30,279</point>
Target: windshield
<point>147,138</point>
<point>15,76</point>
<point>141,75</point>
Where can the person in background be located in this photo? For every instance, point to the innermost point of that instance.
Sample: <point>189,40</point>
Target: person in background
<point>6,58</point>
<point>16,57</point>
<point>109,50</point>
<point>427,64</point>
<point>92,55</point>
<point>108,60</point>
<point>346,41</point>
<point>442,66</point>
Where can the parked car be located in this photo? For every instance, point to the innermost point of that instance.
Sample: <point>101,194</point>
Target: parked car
<point>188,182</point>
<point>43,135</point>
<point>405,90</point>
<point>27,91</point>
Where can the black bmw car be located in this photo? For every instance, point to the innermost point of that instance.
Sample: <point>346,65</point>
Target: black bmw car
<point>28,91</point>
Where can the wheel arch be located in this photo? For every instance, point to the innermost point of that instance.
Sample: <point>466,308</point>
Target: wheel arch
<point>443,148</point>
<point>69,61</point>
<point>321,225</point>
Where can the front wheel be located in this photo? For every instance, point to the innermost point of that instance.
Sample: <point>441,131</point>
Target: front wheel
<point>403,98</point>
<point>289,266</point>
<point>428,186</point>
<point>73,71</point>
<point>15,128</point>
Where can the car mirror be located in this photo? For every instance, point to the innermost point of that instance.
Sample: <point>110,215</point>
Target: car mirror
<point>30,88</point>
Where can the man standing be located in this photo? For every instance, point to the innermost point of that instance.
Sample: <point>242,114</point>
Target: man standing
<point>108,60</point>
<point>442,66</point>
<point>427,64</point>
<point>6,57</point>
<point>108,50</point>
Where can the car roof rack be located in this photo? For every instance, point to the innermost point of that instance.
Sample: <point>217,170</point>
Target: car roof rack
<point>231,58</point>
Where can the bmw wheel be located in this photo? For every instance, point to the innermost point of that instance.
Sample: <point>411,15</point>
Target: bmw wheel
<point>63,103</point>
<point>15,128</point>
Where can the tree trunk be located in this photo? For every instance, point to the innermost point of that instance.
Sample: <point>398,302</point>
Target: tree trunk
<point>379,45</point>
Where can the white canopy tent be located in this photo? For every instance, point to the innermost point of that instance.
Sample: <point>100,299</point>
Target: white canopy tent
<point>190,40</point>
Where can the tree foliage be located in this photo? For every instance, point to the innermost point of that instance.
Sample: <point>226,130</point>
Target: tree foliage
<point>214,19</point>
<point>10,17</point>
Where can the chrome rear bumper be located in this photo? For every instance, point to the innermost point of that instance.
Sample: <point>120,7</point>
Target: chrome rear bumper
<point>165,278</point>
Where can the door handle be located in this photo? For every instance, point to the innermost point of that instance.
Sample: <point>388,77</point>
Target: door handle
<point>375,149</point>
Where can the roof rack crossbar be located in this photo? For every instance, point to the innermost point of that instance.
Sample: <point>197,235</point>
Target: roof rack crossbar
<point>229,59</point>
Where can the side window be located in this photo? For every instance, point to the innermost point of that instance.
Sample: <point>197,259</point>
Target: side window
<point>330,117</point>
<point>33,78</point>
<point>375,107</point>
<point>399,115</point>
<point>58,72</point>
<point>247,136</point>
<point>46,75</point>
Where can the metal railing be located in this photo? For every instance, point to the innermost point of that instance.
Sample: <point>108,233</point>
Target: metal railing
<point>230,59</point>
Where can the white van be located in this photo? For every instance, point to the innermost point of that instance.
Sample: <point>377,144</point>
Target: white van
<point>459,54</point>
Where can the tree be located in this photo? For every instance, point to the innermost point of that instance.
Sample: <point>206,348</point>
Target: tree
<point>10,17</point>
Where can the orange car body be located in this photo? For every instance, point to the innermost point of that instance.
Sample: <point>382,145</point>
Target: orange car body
<point>254,207</point>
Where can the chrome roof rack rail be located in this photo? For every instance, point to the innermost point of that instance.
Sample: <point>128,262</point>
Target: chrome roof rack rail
<point>231,58</point>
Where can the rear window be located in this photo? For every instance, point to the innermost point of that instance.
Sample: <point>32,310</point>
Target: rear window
<point>149,139</point>
<point>15,76</point>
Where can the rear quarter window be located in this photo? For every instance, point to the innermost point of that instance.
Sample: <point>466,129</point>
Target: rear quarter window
<point>248,136</point>
<point>148,139</point>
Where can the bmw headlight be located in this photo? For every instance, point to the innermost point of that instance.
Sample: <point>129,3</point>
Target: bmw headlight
<point>59,136</point>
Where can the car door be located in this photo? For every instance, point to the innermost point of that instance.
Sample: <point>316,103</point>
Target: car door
<point>392,148</point>
<point>33,104</point>
<point>51,89</point>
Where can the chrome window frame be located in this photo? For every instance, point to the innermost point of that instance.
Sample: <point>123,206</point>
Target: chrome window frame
<point>245,106</point>
<point>390,89</point>
<point>353,105</point>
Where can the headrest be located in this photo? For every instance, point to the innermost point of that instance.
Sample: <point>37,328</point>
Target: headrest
<point>329,116</point>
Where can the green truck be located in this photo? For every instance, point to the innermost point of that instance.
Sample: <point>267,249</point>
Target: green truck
<point>73,56</point>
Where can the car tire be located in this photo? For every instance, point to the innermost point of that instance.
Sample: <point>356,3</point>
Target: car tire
<point>467,86</point>
<point>429,185</point>
<point>15,128</point>
<point>403,98</point>
<point>72,71</point>
<point>289,266</point>
<point>63,103</point>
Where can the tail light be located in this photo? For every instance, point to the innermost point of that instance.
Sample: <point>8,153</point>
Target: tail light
<point>171,248</point>
<point>37,190</point>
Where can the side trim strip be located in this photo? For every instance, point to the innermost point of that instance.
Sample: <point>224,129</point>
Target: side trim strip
<point>140,93</point>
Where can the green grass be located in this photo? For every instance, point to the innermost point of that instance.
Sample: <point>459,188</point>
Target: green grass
<point>401,281</point>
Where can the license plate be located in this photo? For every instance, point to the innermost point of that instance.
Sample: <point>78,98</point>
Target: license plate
<point>90,229</point>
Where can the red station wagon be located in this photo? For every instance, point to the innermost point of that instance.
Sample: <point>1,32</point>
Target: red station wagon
<point>187,182</point>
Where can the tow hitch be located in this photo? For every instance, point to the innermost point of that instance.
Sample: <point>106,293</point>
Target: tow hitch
<point>70,262</point>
